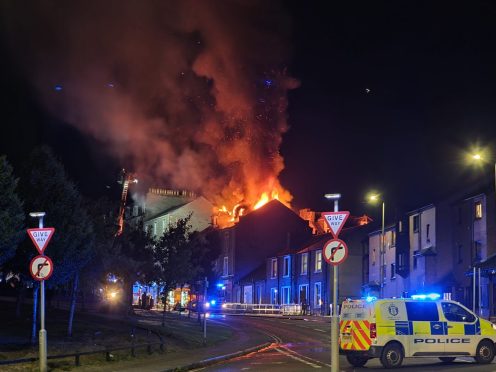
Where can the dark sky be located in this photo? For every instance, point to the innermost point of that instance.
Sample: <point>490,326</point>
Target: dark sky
<point>430,71</point>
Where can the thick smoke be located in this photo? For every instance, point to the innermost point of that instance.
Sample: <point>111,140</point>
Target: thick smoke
<point>191,94</point>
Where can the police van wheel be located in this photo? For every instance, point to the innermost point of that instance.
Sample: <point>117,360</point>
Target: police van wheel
<point>485,352</point>
<point>447,359</point>
<point>356,360</point>
<point>392,356</point>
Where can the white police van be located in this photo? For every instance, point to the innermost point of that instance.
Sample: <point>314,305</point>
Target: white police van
<point>421,326</point>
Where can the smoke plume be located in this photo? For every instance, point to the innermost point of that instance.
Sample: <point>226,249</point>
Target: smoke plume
<point>191,94</point>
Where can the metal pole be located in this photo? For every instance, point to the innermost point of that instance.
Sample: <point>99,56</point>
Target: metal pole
<point>480,292</point>
<point>43,334</point>
<point>335,314</point>
<point>205,312</point>
<point>473,290</point>
<point>382,270</point>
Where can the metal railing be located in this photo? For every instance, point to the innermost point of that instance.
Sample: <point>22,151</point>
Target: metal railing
<point>106,350</point>
<point>261,309</point>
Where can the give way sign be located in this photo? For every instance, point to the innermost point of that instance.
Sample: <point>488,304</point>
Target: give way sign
<point>41,237</point>
<point>335,221</point>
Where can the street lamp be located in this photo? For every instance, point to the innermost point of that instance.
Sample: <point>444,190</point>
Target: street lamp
<point>42,335</point>
<point>335,311</point>
<point>373,199</point>
<point>479,158</point>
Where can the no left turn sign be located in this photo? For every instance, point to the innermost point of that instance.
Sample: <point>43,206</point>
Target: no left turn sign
<point>41,268</point>
<point>335,251</point>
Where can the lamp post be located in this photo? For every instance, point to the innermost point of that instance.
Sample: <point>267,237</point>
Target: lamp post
<point>374,198</point>
<point>42,336</point>
<point>477,157</point>
<point>335,312</point>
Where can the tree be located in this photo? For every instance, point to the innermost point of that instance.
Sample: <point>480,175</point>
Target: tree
<point>11,213</point>
<point>172,255</point>
<point>46,187</point>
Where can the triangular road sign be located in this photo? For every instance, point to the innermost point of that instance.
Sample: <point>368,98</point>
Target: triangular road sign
<point>41,237</point>
<point>335,221</point>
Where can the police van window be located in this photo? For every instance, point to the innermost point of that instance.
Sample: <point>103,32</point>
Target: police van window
<point>454,313</point>
<point>422,311</point>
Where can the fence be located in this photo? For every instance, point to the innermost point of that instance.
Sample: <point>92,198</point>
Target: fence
<point>107,351</point>
<point>261,309</point>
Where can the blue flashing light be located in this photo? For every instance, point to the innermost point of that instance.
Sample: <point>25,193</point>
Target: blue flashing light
<point>370,298</point>
<point>430,296</point>
<point>213,302</point>
<point>268,83</point>
<point>57,87</point>
<point>220,285</point>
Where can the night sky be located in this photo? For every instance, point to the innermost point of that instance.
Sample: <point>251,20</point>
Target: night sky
<point>391,95</point>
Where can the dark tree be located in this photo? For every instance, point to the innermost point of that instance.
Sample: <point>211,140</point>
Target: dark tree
<point>46,187</point>
<point>11,213</point>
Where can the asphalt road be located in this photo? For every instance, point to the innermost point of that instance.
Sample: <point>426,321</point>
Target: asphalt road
<point>301,345</point>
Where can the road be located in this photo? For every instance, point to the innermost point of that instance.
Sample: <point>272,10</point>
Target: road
<point>304,345</point>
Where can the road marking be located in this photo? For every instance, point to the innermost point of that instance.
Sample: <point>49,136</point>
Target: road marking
<point>320,330</point>
<point>304,356</point>
<point>297,358</point>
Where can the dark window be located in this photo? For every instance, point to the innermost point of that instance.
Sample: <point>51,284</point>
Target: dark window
<point>478,250</point>
<point>393,271</point>
<point>422,311</point>
<point>416,223</point>
<point>454,313</point>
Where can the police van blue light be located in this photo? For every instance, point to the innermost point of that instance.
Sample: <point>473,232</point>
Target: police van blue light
<point>429,296</point>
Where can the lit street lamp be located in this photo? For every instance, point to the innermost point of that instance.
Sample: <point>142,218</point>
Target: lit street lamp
<point>374,198</point>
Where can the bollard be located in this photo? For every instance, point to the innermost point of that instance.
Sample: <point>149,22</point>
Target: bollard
<point>133,342</point>
<point>149,347</point>
<point>107,356</point>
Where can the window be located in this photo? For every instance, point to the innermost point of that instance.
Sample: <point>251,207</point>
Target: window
<point>285,271</point>
<point>318,261</point>
<point>393,271</point>
<point>285,295</point>
<point>477,250</point>
<point>427,233</point>
<point>273,268</point>
<point>455,313</point>
<point>422,311</point>
<point>155,229</point>
<point>416,220</point>
<point>163,225</point>
<point>402,261</point>
<point>400,226</point>
<point>393,238</point>
<point>273,295</point>
<point>317,295</point>
<point>303,294</point>
<point>225,270</point>
<point>304,263</point>
<point>478,210</point>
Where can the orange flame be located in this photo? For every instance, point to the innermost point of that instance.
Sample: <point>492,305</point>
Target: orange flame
<point>226,217</point>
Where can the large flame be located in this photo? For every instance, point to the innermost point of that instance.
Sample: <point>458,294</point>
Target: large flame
<point>227,216</point>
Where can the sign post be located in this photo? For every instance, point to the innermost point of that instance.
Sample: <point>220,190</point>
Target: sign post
<point>41,268</point>
<point>335,252</point>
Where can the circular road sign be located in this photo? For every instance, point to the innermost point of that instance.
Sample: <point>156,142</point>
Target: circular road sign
<point>41,268</point>
<point>335,251</point>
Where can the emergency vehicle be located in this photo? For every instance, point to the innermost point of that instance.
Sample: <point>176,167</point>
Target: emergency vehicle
<point>420,326</point>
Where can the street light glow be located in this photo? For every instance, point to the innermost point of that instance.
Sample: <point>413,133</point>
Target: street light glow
<point>477,157</point>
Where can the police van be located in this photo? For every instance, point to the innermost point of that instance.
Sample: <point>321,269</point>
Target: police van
<point>421,326</point>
